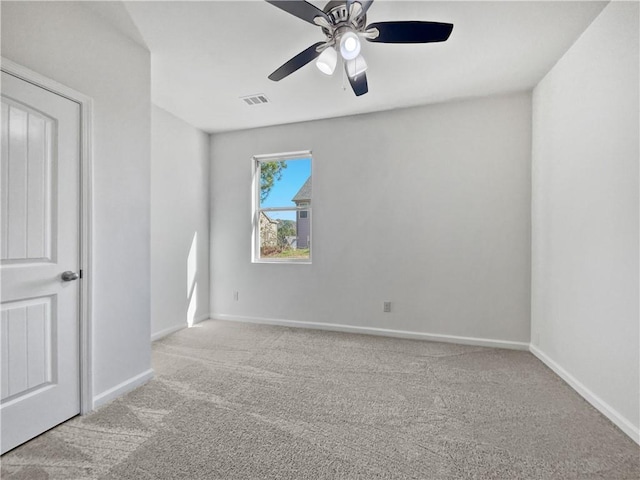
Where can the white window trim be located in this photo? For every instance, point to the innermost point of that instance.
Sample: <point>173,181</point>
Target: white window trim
<point>255,209</point>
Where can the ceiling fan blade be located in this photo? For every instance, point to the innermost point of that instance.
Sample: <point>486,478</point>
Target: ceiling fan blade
<point>296,62</point>
<point>300,9</point>
<point>365,6</point>
<point>359,84</point>
<point>411,32</point>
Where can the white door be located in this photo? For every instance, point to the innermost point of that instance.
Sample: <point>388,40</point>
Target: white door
<point>40,239</point>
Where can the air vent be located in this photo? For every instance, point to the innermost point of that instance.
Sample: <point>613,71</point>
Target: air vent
<point>257,99</point>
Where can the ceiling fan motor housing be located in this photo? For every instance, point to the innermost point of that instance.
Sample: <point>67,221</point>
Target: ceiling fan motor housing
<point>338,15</point>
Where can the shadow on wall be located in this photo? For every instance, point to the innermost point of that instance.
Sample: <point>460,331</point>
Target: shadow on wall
<point>192,284</point>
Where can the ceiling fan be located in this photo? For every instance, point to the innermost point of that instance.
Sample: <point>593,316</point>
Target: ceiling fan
<point>343,23</point>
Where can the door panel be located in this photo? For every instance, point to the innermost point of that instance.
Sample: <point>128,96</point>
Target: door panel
<point>26,208</point>
<point>40,205</point>
<point>27,338</point>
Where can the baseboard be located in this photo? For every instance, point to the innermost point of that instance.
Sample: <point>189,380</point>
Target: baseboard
<point>201,318</point>
<point>603,407</point>
<point>166,331</point>
<point>384,332</point>
<point>122,388</point>
<point>175,328</point>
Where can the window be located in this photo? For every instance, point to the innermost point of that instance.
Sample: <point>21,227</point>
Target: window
<point>282,208</point>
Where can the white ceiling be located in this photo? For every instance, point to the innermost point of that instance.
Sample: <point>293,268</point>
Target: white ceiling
<point>206,55</point>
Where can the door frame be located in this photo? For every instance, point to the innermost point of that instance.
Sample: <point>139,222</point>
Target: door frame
<point>86,218</point>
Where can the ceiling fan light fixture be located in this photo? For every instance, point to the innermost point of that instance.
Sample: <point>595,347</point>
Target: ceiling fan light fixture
<point>327,60</point>
<point>356,66</point>
<point>349,45</point>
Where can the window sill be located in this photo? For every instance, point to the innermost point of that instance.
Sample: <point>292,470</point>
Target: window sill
<point>285,261</point>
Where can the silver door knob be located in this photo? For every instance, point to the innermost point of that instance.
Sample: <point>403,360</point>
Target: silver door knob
<point>69,276</point>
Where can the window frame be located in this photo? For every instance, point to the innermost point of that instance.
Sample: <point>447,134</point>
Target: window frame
<point>256,209</point>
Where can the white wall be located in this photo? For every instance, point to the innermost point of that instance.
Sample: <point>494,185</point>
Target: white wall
<point>179,223</point>
<point>585,241</point>
<point>428,208</point>
<point>68,43</point>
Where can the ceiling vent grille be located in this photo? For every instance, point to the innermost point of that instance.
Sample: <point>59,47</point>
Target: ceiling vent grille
<point>257,99</point>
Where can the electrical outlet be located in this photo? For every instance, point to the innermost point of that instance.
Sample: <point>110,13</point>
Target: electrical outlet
<point>387,307</point>
<point>235,296</point>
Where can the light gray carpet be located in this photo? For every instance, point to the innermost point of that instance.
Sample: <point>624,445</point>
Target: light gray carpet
<point>237,401</point>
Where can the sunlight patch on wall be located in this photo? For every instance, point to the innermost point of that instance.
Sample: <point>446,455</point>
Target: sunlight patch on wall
<point>192,264</point>
<point>192,270</point>
<point>193,307</point>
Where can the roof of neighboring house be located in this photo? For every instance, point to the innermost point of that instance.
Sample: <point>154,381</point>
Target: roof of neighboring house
<point>304,194</point>
<point>271,220</point>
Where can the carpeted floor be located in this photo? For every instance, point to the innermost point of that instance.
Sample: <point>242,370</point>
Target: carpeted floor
<point>239,401</point>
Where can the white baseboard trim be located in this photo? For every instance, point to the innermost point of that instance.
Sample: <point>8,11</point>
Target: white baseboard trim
<point>603,407</point>
<point>166,331</point>
<point>122,388</point>
<point>175,328</point>
<point>384,332</point>
<point>201,318</point>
